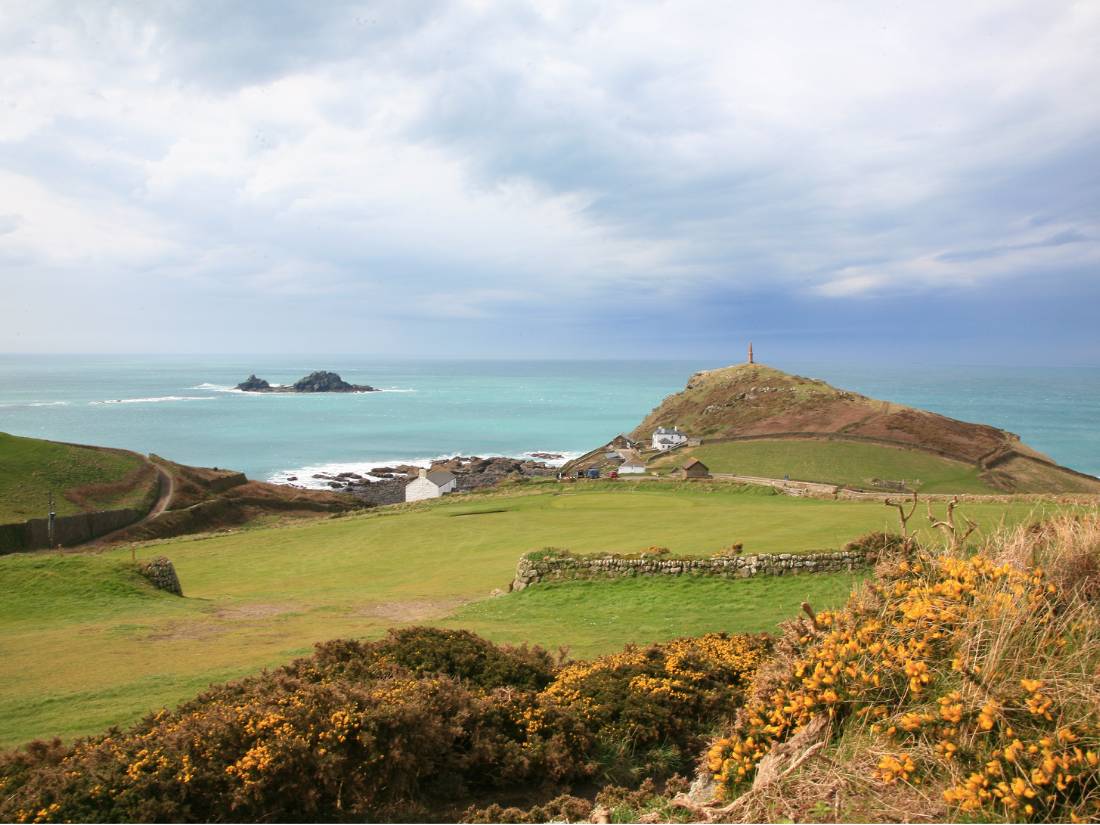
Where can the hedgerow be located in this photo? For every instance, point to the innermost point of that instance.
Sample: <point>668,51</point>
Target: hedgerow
<point>385,730</point>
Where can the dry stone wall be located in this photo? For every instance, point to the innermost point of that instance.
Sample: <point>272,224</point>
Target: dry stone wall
<point>68,530</point>
<point>161,572</point>
<point>544,566</point>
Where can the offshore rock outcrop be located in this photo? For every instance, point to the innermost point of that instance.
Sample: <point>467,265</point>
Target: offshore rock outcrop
<point>320,381</point>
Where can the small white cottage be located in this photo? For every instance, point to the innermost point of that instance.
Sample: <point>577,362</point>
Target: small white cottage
<point>631,465</point>
<point>667,438</point>
<point>430,485</point>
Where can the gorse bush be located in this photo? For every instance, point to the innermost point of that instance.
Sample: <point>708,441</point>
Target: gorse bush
<point>642,710</point>
<point>383,730</point>
<point>974,675</point>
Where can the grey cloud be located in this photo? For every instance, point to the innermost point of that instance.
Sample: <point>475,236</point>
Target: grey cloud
<point>646,141</point>
<point>9,223</point>
<point>1069,236</point>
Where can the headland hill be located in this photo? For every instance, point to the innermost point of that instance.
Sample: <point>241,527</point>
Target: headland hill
<point>755,421</point>
<point>319,381</point>
<point>694,567</point>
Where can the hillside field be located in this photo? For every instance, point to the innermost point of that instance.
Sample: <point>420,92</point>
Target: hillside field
<point>81,479</point>
<point>85,643</point>
<point>849,463</point>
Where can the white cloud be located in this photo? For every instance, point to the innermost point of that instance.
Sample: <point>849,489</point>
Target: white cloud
<point>546,153</point>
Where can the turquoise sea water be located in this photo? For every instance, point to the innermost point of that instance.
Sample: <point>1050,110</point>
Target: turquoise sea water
<point>181,407</point>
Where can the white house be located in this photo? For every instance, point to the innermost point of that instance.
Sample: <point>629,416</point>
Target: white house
<point>631,465</point>
<point>665,438</point>
<point>429,485</point>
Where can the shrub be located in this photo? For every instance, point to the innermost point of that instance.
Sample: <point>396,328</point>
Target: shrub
<point>877,542</point>
<point>643,711</point>
<point>427,651</point>
<point>968,675</point>
<point>563,808</point>
<point>380,730</point>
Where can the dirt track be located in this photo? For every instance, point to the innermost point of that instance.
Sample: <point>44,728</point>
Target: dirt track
<point>167,489</point>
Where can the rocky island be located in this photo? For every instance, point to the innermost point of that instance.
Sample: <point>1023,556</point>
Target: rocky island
<point>320,381</point>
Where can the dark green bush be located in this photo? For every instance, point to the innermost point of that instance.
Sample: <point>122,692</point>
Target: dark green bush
<point>385,730</point>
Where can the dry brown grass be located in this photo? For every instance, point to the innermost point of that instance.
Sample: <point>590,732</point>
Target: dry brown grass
<point>1003,723</point>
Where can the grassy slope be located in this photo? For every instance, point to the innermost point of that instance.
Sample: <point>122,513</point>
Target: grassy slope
<point>835,462</point>
<point>592,617</point>
<point>30,468</point>
<point>79,652</point>
<point>761,401</point>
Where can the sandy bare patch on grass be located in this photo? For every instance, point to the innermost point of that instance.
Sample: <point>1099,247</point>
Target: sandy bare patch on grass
<point>219,621</point>
<point>253,611</point>
<point>414,610</point>
<point>185,632</point>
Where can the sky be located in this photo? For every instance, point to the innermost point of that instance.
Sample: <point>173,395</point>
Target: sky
<point>860,180</point>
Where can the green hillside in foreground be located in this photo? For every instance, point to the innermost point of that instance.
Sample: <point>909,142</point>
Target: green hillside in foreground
<point>81,478</point>
<point>85,645</point>
<point>854,464</point>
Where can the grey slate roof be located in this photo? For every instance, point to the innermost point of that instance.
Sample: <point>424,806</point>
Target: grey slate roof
<point>440,477</point>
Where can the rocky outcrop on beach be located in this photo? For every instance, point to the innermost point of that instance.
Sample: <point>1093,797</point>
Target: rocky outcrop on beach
<point>320,381</point>
<point>471,473</point>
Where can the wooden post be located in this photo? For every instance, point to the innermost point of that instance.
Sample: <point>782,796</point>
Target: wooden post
<point>50,523</point>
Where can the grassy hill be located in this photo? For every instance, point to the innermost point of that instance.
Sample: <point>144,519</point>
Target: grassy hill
<point>85,646</point>
<point>753,400</point>
<point>82,478</point>
<point>956,684</point>
<point>851,463</point>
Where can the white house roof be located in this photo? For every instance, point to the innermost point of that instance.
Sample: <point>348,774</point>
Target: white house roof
<point>440,477</point>
<point>632,463</point>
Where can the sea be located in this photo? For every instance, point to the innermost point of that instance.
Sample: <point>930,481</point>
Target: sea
<point>185,408</point>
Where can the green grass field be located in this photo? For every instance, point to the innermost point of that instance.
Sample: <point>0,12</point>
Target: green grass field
<point>603,615</point>
<point>835,462</point>
<point>85,644</point>
<point>31,468</point>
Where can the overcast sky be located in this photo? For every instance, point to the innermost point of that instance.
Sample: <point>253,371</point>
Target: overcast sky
<point>879,180</point>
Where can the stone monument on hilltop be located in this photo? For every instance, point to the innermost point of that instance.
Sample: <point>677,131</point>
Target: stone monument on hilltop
<point>750,353</point>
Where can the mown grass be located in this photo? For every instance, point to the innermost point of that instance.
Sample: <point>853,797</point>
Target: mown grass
<point>589,617</point>
<point>83,643</point>
<point>834,462</point>
<point>31,468</point>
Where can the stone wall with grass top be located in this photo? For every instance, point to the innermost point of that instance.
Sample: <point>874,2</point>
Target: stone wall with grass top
<point>552,564</point>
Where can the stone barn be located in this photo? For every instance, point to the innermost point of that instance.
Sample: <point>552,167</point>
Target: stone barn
<point>694,468</point>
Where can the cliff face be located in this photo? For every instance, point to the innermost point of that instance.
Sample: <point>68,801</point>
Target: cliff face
<point>756,400</point>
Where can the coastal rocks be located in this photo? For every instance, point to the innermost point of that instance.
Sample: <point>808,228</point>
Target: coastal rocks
<point>254,384</point>
<point>320,381</point>
<point>161,574</point>
<point>386,485</point>
<point>324,381</point>
<point>378,493</point>
<point>475,473</point>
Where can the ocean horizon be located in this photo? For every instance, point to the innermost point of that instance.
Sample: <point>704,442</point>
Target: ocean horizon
<point>185,407</point>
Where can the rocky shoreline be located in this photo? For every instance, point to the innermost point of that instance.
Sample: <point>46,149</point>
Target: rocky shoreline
<point>320,381</point>
<point>386,484</point>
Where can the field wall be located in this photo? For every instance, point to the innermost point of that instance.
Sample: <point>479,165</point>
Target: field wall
<point>68,530</point>
<point>537,567</point>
